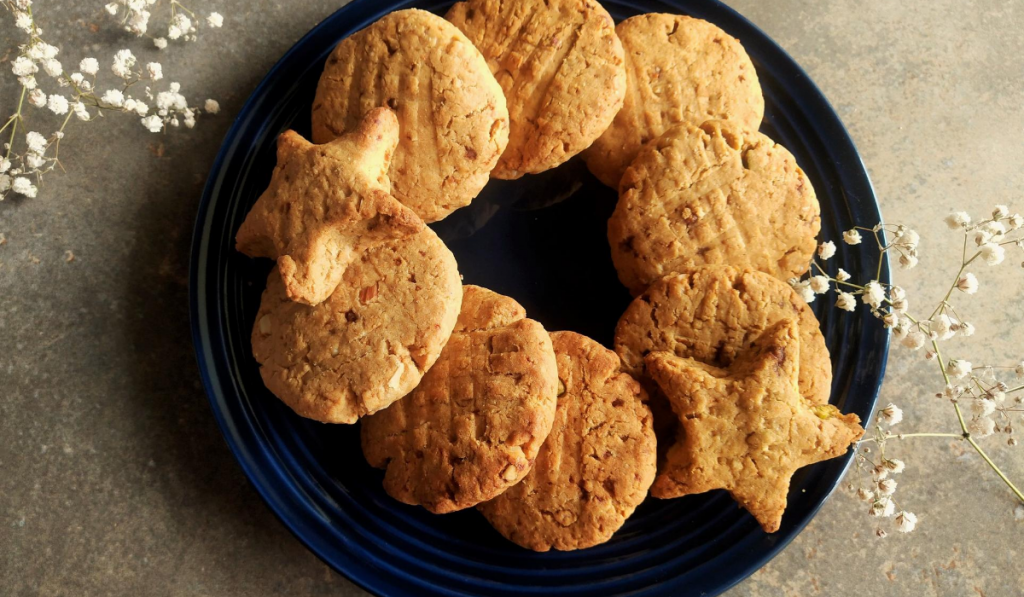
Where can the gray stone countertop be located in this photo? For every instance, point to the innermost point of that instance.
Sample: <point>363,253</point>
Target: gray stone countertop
<point>114,479</point>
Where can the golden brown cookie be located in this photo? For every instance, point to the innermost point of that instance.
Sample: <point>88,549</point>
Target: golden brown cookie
<point>326,205</point>
<point>371,341</point>
<point>561,67</point>
<point>475,423</point>
<point>718,193</point>
<point>451,111</point>
<point>747,428</point>
<point>595,467</point>
<point>678,69</point>
<point>712,314</point>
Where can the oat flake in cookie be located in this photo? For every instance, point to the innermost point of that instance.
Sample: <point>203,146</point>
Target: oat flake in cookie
<point>678,69</point>
<point>718,193</point>
<point>561,67</point>
<point>370,342</point>
<point>597,464</point>
<point>451,111</point>
<point>473,426</point>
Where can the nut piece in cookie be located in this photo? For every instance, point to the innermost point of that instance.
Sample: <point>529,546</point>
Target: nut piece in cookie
<point>327,204</point>
<point>714,313</point>
<point>452,113</point>
<point>747,429</point>
<point>595,467</point>
<point>561,67</point>
<point>371,341</point>
<point>718,193</point>
<point>678,69</point>
<point>473,426</point>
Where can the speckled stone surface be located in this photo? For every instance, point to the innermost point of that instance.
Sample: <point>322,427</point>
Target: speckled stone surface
<point>114,479</point>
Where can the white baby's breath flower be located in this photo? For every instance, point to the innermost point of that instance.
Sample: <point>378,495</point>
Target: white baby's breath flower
<point>53,67</point>
<point>77,78</point>
<point>826,250</point>
<point>852,237</point>
<point>211,106</point>
<point>5,165</point>
<point>998,396</point>
<point>113,97</point>
<point>58,104</point>
<point>993,254</point>
<point>883,507</point>
<point>967,283</point>
<point>189,119</point>
<point>28,82</point>
<point>865,494</point>
<point>958,368</point>
<point>901,329</point>
<point>905,521</point>
<point>907,237</point>
<point>81,112</point>
<point>846,301</point>
<point>124,60</point>
<point>23,66</point>
<point>895,465</point>
<point>983,407</point>
<point>160,43</point>
<point>36,143</point>
<point>873,294</point>
<point>215,20</point>
<point>37,98</point>
<point>24,186</point>
<point>819,284</point>
<point>966,329</point>
<point>842,275</point>
<point>891,414</point>
<point>1000,211</point>
<point>942,327</point>
<point>1016,221</point>
<point>908,261</point>
<point>33,161</point>
<point>994,230</point>
<point>886,487</point>
<point>23,21</point>
<point>141,108</point>
<point>89,66</point>
<point>982,426</point>
<point>915,340</point>
<point>111,8</point>
<point>891,320</point>
<point>138,23</point>
<point>155,70</point>
<point>154,123</point>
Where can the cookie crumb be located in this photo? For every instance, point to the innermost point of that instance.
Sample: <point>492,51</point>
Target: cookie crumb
<point>68,256</point>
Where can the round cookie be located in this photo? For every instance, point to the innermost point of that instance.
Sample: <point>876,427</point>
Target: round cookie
<point>679,69</point>
<point>451,111</point>
<point>561,67</point>
<point>473,426</point>
<point>718,193</point>
<point>713,313</point>
<point>595,467</point>
<point>370,342</point>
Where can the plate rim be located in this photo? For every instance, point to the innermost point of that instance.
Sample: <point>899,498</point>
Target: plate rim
<point>200,326</point>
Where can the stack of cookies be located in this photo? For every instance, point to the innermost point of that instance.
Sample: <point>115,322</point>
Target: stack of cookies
<point>464,400</point>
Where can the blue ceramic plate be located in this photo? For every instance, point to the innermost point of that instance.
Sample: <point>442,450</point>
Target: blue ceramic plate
<point>542,241</point>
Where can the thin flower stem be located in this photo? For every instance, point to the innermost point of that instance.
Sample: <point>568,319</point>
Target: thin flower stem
<point>984,456</point>
<point>14,126</point>
<point>909,435</point>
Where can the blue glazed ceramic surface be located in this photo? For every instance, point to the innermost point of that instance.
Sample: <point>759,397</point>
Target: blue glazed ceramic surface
<point>542,241</point>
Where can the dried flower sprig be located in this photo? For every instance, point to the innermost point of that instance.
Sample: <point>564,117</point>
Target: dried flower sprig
<point>183,24</point>
<point>22,171</point>
<point>979,388</point>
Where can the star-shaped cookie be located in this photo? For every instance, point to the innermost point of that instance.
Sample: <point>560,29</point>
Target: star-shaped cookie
<point>746,429</point>
<point>325,205</point>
